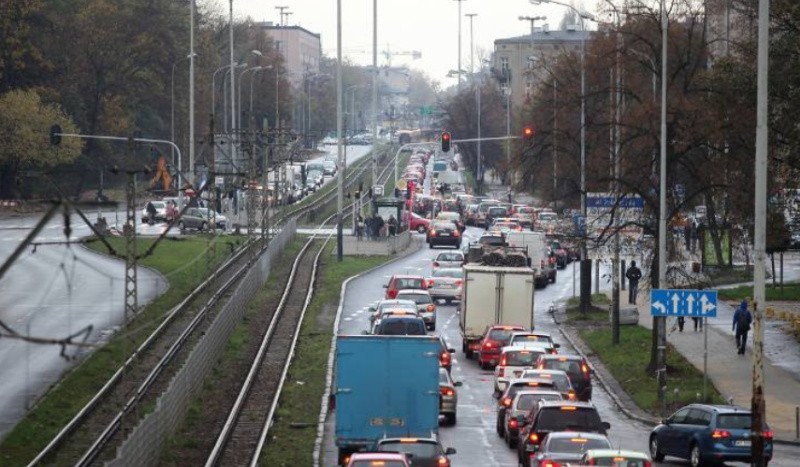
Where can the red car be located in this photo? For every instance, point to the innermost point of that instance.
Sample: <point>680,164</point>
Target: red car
<point>418,223</point>
<point>493,340</point>
<point>400,282</point>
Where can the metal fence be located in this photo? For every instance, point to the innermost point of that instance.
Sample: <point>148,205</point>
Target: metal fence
<point>143,446</point>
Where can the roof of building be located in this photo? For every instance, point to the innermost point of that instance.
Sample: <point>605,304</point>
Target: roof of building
<point>269,26</point>
<point>547,36</point>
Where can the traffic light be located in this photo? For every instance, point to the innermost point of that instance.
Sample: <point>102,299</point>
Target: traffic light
<point>445,141</point>
<point>55,135</point>
<point>528,132</point>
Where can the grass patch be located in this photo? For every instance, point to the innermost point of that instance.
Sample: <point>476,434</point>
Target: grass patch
<point>628,361</point>
<point>723,276</point>
<point>300,400</point>
<point>789,292</point>
<point>598,311</point>
<point>185,264</point>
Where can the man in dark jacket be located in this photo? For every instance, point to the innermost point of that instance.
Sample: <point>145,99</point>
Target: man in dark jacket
<point>633,274</point>
<point>741,325</point>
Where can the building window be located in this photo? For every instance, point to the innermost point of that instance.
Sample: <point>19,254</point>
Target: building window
<point>504,64</point>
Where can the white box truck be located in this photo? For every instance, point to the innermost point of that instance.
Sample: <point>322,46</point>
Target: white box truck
<point>535,244</point>
<point>494,295</point>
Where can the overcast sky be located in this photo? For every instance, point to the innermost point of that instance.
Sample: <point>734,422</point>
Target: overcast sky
<point>427,26</point>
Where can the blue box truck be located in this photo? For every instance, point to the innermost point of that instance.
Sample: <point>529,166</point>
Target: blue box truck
<point>385,386</point>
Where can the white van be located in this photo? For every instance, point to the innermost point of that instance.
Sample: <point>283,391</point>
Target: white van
<point>538,254</point>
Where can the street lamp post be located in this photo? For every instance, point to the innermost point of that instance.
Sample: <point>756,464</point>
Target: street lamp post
<point>661,322</point>
<point>339,124</point>
<point>172,117</point>
<point>191,98</point>
<point>459,42</point>
<point>374,90</point>
<point>241,80</point>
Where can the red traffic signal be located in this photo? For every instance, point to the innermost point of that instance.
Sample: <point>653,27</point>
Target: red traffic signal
<point>445,141</point>
<point>527,132</point>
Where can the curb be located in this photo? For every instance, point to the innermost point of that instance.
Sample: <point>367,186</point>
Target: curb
<point>602,381</point>
<point>323,411</point>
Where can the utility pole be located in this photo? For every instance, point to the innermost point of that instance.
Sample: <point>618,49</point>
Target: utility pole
<point>758,404</point>
<point>471,43</point>
<point>459,43</point>
<point>617,174</point>
<point>191,101</point>
<point>374,90</point>
<point>661,322</point>
<point>129,229</point>
<point>339,125</point>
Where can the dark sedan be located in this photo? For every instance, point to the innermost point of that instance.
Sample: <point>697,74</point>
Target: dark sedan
<point>443,233</point>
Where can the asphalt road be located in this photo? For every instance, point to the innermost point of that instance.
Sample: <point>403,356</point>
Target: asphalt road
<point>474,436</point>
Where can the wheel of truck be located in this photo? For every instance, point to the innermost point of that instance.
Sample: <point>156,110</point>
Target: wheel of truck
<point>450,419</point>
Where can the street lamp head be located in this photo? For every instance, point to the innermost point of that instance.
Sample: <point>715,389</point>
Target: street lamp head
<point>539,2</point>
<point>257,52</point>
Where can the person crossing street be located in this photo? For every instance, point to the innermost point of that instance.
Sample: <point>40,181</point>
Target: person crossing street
<point>742,319</point>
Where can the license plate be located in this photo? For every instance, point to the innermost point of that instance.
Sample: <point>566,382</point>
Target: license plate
<point>529,447</point>
<point>743,443</point>
<point>445,234</point>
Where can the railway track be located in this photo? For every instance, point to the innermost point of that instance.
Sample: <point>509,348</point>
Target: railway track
<point>111,413</point>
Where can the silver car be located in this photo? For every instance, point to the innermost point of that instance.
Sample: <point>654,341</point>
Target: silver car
<point>448,259</point>
<point>425,305</point>
<point>446,284</point>
<point>522,403</point>
<point>448,396</point>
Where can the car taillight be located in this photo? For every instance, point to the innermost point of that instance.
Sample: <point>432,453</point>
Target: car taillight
<point>489,344</point>
<point>585,369</point>
<point>571,395</point>
<point>446,391</point>
<point>445,358</point>
<point>768,434</point>
<point>502,372</point>
<point>435,264</point>
<point>433,233</point>
<point>456,233</point>
<point>647,464</point>
<point>548,463</point>
<point>503,361</point>
<point>533,438</point>
<point>392,294</point>
<point>513,423</point>
<point>506,402</point>
<point>443,462</point>
<point>431,308</point>
<point>719,434</point>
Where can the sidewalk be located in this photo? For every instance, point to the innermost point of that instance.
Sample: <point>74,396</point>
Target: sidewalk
<point>732,373</point>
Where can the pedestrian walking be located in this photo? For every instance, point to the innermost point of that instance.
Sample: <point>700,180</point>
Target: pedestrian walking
<point>359,227</point>
<point>741,325</point>
<point>633,274</point>
<point>392,225</point>
<point>687,235</point>
<point>693,235</point>
<point>378,226</point>
<point>681,323</point>
<point>151,213</point>
<point>698,324</point>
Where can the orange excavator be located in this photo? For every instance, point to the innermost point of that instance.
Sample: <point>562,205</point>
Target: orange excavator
<point>162,176</point>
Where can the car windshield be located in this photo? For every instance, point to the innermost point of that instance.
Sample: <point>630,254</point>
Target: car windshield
<point>526,210</point>
<point>418,298</point>
<point>527,401</point>
<point>521,357</point>
<point>409,283</point>
<point>455,273</point>
<point>739,421</point>
<point>377,462</point>
<point>502,335</point>
<point>569,418</point>
<point>547,216</point>
<point>449,257</point>
<point>530,338</point>
<point>492,240</point>
<point>497,212</point>
<point>443,377</point>
<point>568,366</point>
<point>576,445</point>
<point>618,461</point>
<point>418,450</point>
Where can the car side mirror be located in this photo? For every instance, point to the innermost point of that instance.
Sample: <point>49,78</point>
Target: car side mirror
<point>449,451</point>
<point>557,346</point>
<point>457,384</point>
<point>666,421</point>
<point>371,318</point>
<point>385,286</point>
<point>451,350</point>
<point>606,425</point>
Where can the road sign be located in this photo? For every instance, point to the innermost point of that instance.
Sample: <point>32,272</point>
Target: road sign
<point>401,184</point>
<point>377,190</point>
<point>679,302</point>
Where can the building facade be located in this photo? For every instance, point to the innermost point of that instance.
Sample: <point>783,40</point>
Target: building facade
<point>522,61</point>
<point>301,49</point>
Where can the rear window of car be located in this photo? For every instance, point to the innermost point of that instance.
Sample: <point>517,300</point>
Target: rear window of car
<point>527,401</point>
<point>569,418</point>
<point>492,240</point>
<point>377,462</point>
<point>547,216</point>
<point>568,366</point>
<point>614,461</point>
<point>521,358</point>
<point>521,386</point>
<point>405,283</point>
<point>497,212</point>
<point>576,445</point>
<point>502,335</point>
<point>415,449</point>
<point>456,273</point>
<point>450,257</point>
<point>417,298</point>
<point>443,225</point>
<point>401,327</point>
<point>531,338</point>
<point>739,421</point>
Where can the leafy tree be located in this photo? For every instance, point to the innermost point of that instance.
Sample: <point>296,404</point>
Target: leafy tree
<point>24,124</point>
